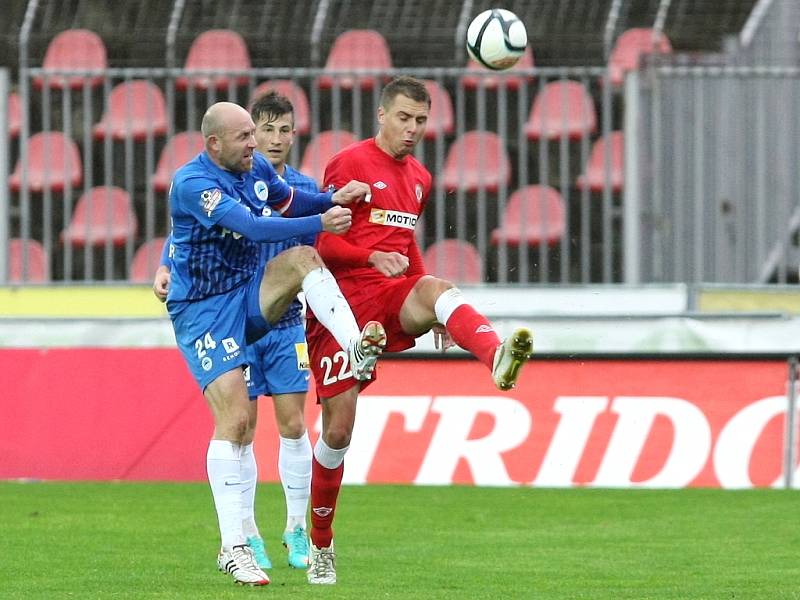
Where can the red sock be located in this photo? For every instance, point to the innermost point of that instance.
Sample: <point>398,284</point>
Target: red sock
<point>325,484</point>
<point>473,332</point>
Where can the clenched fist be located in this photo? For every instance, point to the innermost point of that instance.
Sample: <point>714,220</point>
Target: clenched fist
<point>337,219</point>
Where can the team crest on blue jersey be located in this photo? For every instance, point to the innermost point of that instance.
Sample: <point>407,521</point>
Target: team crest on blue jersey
<point>266,211</point>
<point>261,190</point>
<point>209,200</point>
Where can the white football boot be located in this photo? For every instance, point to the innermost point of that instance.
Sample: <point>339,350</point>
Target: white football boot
<point>364,351</point>
<point>239,563</point>
<point>322,566</point>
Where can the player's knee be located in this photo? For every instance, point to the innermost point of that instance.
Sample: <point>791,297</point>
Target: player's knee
<point>304,258</point>
<point>428,289</point>
<point>236,425</point>
<point>292,428</point>
<point>338,436</point>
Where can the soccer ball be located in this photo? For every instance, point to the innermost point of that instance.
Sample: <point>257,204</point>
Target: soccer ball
<point>496,38</point>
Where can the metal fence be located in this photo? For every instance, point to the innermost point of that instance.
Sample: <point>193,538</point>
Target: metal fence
<point>714,188</point>
<point>572,236</point>
<point>710,188</point>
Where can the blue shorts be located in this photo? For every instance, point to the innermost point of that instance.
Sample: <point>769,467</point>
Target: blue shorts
<point>212,333</point>
<point>278,363</point>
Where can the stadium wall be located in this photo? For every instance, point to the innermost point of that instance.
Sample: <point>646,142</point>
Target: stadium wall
<point>135,414</point>
<point>631,387</point>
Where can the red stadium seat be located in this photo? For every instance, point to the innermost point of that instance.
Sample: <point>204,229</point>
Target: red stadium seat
<point>53,161</point>
<point>180,149</point>
<point>476,160</point>
<point>216,50</point>
<point>36,261</point>
<point>102,215</point>
<point>356,50</point>
<point>562,108</point>
<point>630,46</point>
<point>534,214</point>
<point>14,115</point>
<point>594,176</point>
<point>135,109</point>
<point>440,117</point>
<point>477,73</point>
<point>321,148</point>
<point>146,260</point>
<point>454,260</point>
<point>73,49</point>
<point>295,94</point>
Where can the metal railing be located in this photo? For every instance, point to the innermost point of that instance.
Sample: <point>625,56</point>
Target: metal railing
<point>588,249</point>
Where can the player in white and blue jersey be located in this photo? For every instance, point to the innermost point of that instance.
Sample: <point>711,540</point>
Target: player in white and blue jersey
<point>223,204</point>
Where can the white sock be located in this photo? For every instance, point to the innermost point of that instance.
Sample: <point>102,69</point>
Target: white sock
<point>294,467</point>
<point>331,309</point>
<point>447,303</point>
<point>248,471</point>
<point>223,465</point>
<point>328,457</point>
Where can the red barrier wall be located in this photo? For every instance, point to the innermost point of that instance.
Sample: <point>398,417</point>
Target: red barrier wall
<point>136,414</point>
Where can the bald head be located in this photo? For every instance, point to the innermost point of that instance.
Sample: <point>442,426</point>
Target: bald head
<point>222,116</point>
<point>229,132</point>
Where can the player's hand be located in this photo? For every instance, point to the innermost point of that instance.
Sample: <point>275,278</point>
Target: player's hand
<point>337,220</point>
<point>161,283</point>
<point>390,264</point>
<point>441,338</point>
<point>354,191</point>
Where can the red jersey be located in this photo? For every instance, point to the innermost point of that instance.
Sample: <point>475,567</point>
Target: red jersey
<point>400,190</point>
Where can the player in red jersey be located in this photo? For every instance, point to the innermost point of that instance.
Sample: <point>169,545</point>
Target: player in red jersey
<point>379,268</point>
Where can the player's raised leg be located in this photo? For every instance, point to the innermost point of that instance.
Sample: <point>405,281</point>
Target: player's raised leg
<point>438,300</point>
<point>302,268</point>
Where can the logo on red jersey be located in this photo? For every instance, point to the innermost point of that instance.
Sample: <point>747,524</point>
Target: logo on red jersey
<point>392,218</point>
<point>418,192</point>
<point>379,185</point>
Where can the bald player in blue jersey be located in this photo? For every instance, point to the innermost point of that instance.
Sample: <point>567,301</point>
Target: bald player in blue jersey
<point>278,362</point>
<point>223,205</point>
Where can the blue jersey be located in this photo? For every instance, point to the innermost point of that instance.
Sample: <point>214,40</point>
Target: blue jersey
<point>207,259</point>
<point>293,315</point>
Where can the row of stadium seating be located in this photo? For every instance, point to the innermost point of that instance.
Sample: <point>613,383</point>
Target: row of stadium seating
<point>476,160</point>
<point>104,216</point>
<point>224,49</point>
<point>137,109</point>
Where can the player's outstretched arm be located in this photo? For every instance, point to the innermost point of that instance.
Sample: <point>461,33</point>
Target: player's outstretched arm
<point>300,203</point>
<point>268,229</point>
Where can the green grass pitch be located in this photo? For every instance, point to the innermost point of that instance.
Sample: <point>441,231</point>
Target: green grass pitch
<point>134,540</point>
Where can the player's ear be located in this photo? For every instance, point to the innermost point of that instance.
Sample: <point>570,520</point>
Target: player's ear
<point>381,115</point>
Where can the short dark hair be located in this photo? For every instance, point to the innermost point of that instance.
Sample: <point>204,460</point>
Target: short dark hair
<point>407,86</point>
<point>272,105</point>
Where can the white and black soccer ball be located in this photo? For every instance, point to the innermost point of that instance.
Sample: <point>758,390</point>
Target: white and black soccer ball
<point>496,38</point>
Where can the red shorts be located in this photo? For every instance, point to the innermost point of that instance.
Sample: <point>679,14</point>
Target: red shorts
<point>329,363</point>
